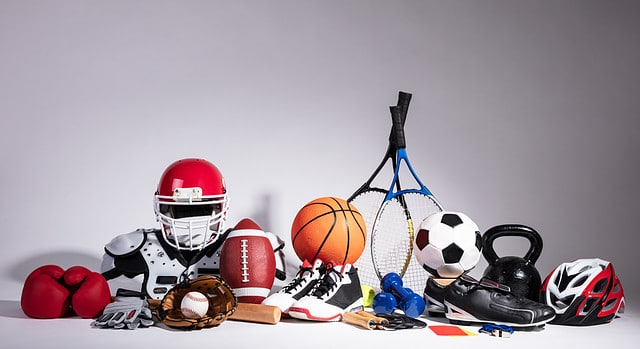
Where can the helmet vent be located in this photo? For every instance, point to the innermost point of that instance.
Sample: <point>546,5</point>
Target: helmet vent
<point>588,305</point>
<point>584,268</point>
<point>557,279</point>
<point>609,305</point>
<point>580,281</point>
<point>600,286</point>
<point>616,287</point>
<point>561,302</point>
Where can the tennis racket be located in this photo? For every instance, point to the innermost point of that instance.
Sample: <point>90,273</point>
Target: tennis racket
<point>393,228</point>
<point>368,199</point>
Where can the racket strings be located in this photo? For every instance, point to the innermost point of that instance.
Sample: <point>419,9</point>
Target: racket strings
<point>390,248</point>
<point>420,206</point>
<point>368,204</point>
<point>391,241</point>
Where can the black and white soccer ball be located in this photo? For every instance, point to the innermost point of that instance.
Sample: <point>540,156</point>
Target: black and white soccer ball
<point>447,244</point>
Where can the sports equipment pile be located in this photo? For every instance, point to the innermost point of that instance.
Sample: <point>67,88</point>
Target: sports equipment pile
<point>388,258</point>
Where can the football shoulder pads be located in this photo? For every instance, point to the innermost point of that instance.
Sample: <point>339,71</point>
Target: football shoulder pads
<point>127,244</point>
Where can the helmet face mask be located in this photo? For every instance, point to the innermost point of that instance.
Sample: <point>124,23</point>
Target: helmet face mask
<point>191,204</point>
<point>584,292</point>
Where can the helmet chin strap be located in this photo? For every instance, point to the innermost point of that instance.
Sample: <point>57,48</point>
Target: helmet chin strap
<point>185,276</point>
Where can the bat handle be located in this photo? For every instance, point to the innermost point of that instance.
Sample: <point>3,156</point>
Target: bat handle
<point>259,313</point>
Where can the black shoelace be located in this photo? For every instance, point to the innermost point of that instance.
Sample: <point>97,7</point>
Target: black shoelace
<point>327,283</point>
<point>300,276</point>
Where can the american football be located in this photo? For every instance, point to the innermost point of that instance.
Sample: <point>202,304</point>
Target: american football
<point>247,262</point>
<point>448,244</point>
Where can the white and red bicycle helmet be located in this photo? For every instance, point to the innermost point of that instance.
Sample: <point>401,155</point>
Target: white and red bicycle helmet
<point>583,292</point>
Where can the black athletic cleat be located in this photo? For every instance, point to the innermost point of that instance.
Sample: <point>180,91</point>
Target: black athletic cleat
<point>338,292</point>
<point>434,296</point>
<point>470,301</point>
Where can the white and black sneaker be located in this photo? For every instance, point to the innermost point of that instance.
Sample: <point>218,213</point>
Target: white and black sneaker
<point>470,301</point>
<point>305,280</point>
<point>434,296</point>
<point>338,292</point>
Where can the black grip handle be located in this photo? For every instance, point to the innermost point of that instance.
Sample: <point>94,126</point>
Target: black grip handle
<point>535,240</point>
<point>398,128</point>
<point>404,98</point>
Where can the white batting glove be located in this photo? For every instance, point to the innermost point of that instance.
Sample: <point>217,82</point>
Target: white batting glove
<point>125,312</point>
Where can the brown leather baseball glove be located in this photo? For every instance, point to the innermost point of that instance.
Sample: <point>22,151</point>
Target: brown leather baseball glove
<point>222,303</point>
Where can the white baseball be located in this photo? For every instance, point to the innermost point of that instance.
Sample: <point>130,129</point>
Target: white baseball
<point>194,305</point>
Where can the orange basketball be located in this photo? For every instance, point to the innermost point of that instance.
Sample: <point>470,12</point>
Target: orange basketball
<point>330,229</point>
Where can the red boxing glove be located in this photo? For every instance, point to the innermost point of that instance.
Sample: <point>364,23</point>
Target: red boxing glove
<point>90,291</point>
<point>44,296</point>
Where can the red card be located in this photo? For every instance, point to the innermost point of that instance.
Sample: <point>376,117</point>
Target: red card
<point>448,330</point>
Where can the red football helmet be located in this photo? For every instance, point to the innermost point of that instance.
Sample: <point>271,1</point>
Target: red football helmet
<point>191,203</point>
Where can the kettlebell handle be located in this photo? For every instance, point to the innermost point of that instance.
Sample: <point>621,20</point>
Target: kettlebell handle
<point>535,240</point>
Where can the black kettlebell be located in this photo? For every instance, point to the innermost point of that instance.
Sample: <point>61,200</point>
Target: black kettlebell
<point>519,273</point>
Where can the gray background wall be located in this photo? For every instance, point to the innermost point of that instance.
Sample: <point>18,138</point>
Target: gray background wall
<point>522,112</point>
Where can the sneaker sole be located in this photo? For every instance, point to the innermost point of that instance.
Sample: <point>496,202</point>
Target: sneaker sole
<point>458,316</point>
<point>434,307</point>
<point>305,313</point>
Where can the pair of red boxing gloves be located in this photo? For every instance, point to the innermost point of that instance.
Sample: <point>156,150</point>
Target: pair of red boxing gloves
<point>51,292</point>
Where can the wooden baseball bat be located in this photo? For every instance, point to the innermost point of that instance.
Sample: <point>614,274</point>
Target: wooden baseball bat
<point>260,313</point>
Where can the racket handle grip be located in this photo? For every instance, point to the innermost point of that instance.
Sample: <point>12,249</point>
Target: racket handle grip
<point>404,98</point>
<point>398,127</point>
<point>403,102</point>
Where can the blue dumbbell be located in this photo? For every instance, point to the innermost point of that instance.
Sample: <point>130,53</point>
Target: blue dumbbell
<point>384,303</point>
<point>411,303</point>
